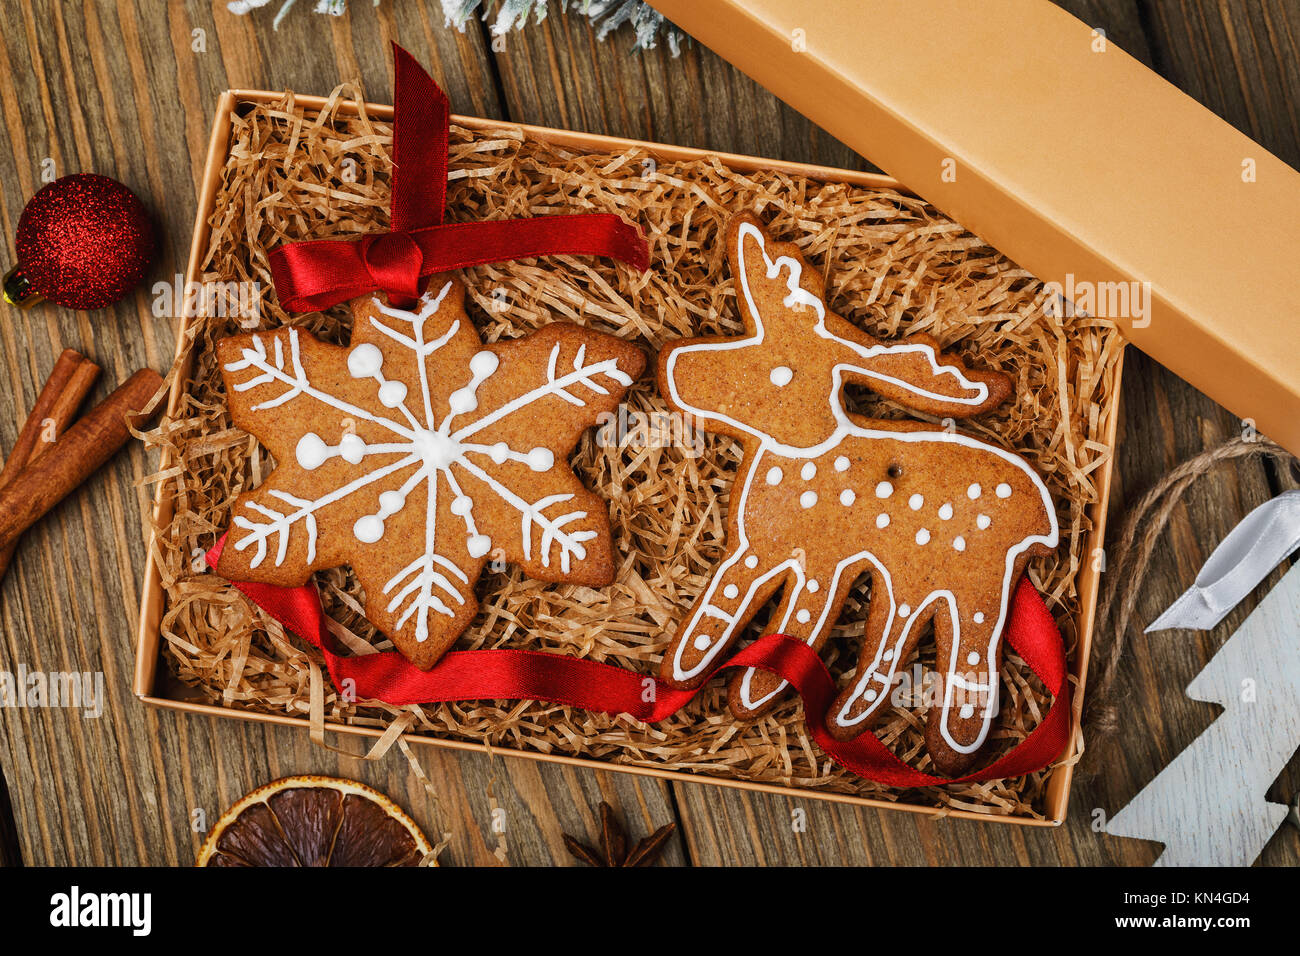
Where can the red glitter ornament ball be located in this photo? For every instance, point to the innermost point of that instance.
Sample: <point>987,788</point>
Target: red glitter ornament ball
<point>84,241</point>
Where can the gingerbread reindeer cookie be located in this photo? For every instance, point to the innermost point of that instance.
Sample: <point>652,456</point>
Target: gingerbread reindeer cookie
<point>942,523</point>
<point>417,453</point>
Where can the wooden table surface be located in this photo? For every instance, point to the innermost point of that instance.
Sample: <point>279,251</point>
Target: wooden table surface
<point>127,89</point>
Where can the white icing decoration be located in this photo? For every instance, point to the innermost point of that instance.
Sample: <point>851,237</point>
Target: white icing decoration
<point>392,394</point>
<point>1003,490</point>
<point>979,617</point>
<point>882,521</point>
<point>702,642</point>
<point>959,543</point>
<point>808,499</point>
<point>904,610</point>
<point>809,471</point>
<point>483,364</point>
<point>311,451</point>
<point>976,393</point>
<point>922,536</point>
<point>731,592</point>
<point>541,459</point>
<point>973,658</point>
<point>365,360</point>
<point>751,562</point>
<point>915,502</point>
<point>813,586</point>
<point>781,376</point>
<point>352,449</point>
<point>841,463</point>
<point>945,511</point>
<point>804,616</point>
<point>774,475</point>
<point>848,496</point>
<point>429,451</point>
<point>967,710</point>
<point>368,529</point>
<point>973,492</point>
<point>461,401</point>
<point>982,522</point>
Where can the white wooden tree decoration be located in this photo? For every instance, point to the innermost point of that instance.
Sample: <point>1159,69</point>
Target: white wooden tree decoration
<point>1208,805</point>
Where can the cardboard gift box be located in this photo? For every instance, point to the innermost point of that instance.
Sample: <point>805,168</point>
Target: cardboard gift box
<point>1044,212</point>
<point>155,685</point>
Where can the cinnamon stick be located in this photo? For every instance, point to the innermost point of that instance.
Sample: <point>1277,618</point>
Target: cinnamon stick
<point>31,430</point>
<point>48,420</point>
<point>71,460</point>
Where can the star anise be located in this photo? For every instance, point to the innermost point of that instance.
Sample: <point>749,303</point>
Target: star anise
<point>613,843</point>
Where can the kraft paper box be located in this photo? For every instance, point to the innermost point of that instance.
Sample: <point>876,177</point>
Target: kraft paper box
<point>155,686</point>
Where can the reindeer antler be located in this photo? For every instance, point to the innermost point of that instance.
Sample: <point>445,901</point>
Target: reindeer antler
<point>913,371</point>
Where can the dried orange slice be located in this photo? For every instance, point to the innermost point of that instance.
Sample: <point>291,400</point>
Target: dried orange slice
<point>314,821</point>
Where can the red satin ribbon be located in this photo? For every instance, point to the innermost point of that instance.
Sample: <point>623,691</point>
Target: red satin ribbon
<point>530,675</point>
<point>316,274</point>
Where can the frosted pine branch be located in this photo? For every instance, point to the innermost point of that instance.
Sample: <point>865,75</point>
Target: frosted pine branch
<point>607,16</point>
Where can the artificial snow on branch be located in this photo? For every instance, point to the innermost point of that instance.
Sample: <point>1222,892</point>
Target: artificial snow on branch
<point>647,24</point>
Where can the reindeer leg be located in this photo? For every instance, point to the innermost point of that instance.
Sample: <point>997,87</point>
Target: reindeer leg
<point>740,585</point>
<point>891,634</point>
<point>809,605</point>
<point>967,664</point>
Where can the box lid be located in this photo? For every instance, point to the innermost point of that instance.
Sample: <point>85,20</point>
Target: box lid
<point>1066,154</point>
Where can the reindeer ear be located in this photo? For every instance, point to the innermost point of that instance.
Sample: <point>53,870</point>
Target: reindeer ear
<point>916,373</point>
<point>774,282</point>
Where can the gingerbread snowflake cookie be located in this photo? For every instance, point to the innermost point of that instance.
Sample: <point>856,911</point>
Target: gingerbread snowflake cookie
<point>942,523</point>
<point>416,454</point>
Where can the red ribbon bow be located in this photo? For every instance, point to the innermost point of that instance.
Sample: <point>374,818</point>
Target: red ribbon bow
<point>530,675</point>
<point>316,274</point>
